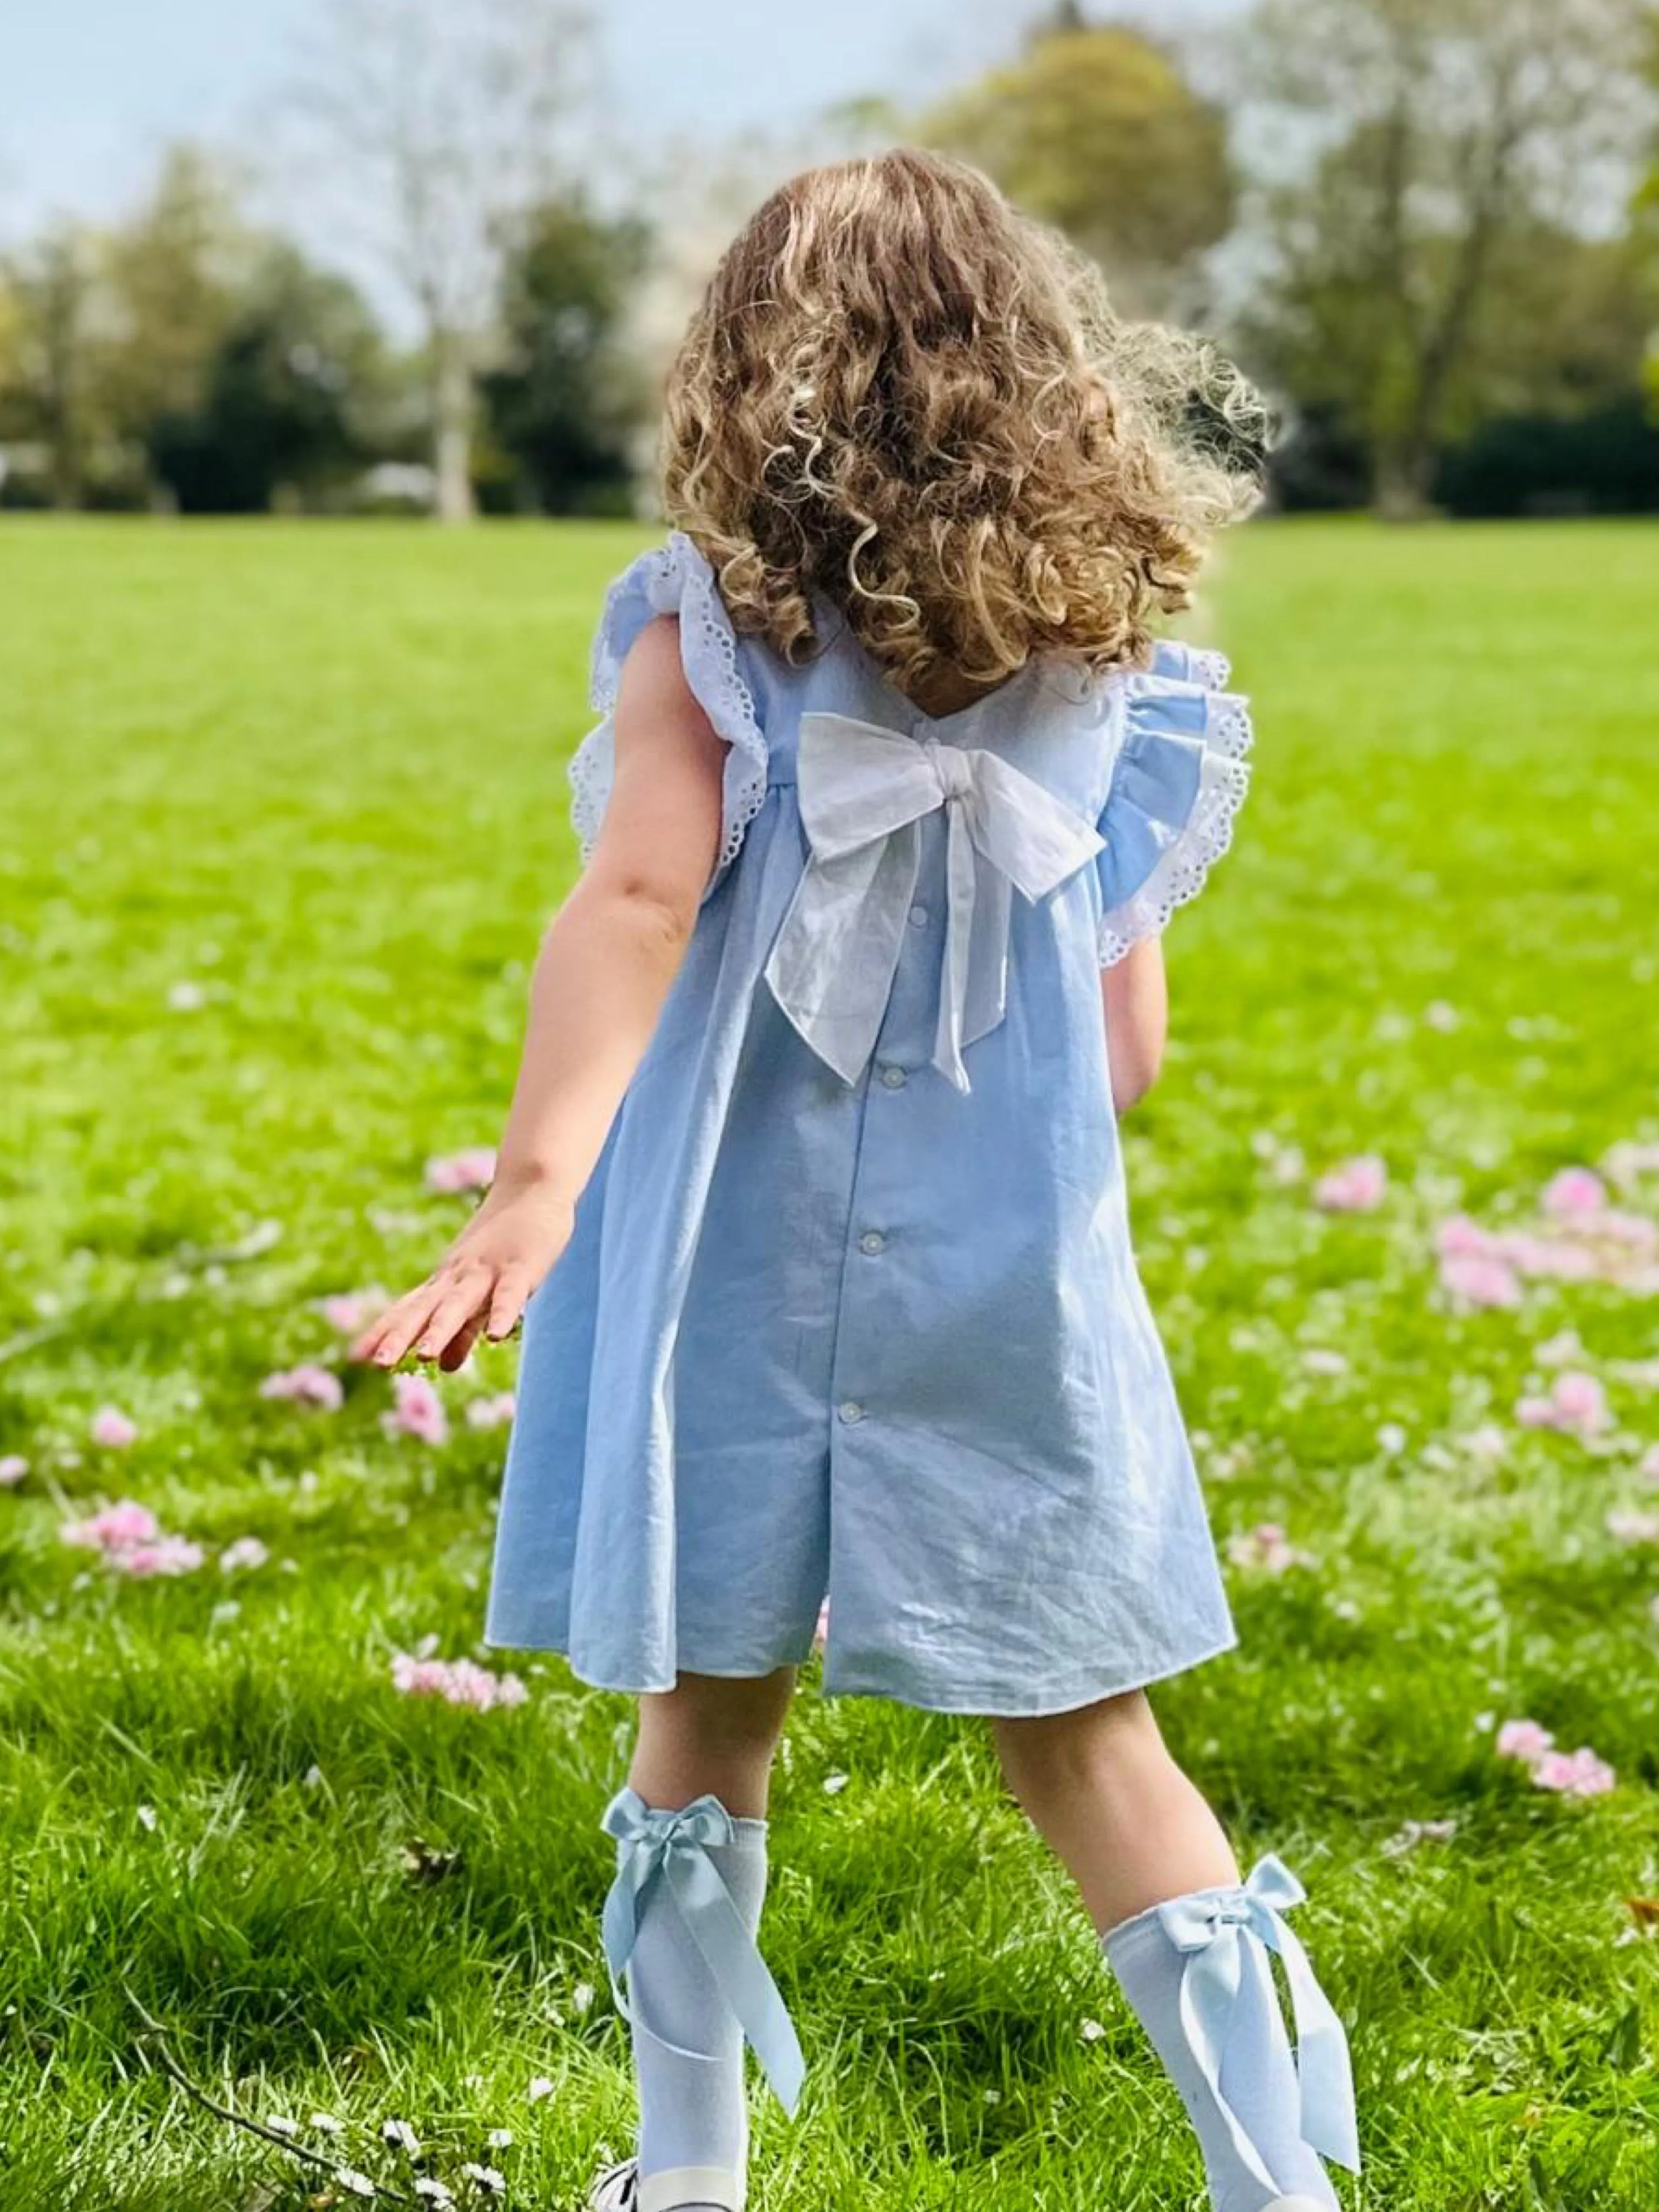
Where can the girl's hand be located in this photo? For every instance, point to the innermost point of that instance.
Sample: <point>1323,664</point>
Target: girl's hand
<point>483,1284</point>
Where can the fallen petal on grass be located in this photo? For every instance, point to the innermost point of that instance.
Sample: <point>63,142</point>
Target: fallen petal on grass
<point>1355,1186</point>
<point>417,1410</point>
<point>306,1385</point>
<point>471,1169</point>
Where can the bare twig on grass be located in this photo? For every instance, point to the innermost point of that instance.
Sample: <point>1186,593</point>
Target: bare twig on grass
<point>153,2041</point>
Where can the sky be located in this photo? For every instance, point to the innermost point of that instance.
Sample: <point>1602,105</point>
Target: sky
<point>91,89</point>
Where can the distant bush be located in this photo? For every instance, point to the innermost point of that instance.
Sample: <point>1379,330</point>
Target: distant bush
<point>1604,462</point>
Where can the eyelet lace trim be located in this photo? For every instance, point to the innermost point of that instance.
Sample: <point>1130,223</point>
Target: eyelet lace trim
<point>1180,871</point>
<point>674,580</point>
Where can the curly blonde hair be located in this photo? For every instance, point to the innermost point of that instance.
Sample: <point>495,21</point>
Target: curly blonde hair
<point>901,397</point>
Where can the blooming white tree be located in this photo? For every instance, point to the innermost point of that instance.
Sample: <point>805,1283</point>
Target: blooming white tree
<point>435,130</point>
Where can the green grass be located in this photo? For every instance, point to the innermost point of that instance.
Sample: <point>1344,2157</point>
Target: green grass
<point>318,773</point>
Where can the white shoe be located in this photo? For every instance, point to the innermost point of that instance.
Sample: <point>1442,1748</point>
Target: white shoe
<point>619,2188</point>
<point>1295,2205</point>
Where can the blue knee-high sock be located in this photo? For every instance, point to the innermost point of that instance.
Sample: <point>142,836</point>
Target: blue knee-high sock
<point>692,2111</point>
<point>1258,2075</point>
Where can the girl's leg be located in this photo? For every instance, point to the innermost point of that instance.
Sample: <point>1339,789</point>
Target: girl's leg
<point>1104,1793</point>
<point>1101,1788</point>
<point>709,1734</point>
<point>705,1738</point>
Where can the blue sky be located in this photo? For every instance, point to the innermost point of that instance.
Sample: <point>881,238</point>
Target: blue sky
<point>93,88</point>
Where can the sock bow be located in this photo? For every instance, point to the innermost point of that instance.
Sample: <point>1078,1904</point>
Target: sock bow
<point>669,1851</point>
<point>1210,1927</point>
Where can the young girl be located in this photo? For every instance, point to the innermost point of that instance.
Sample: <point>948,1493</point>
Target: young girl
<point>816,1118</point>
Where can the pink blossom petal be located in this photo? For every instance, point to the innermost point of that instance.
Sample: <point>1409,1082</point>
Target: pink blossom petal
<point>114,1529</point>
<point>1477,1280</point>
<point>1266,1549</point>
<point>166,1555</point>
<point>351,1311</point>
<point>13,1468</point>
<point>457,1682</point>
<point>418,1411</point>
<point>1355,1186</point>
<point>1574,1773</point>
<point>1580,1399</point>
<point>306,1385</point>
<point>1458,1238</point>
<point>112,1430</point>
<point>1576,1403</point>
<point>1524,1740</point>
<point>473,1169</point>
<point>1574,1194</point>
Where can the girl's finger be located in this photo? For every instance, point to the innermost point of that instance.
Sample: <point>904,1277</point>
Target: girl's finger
<point>463,1295</point>
<point>455,1352</point>
<point>404,1324</point>
<point>512,1294</point>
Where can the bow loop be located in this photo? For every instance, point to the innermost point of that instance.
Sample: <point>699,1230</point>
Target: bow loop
<point>630,1820</point>
<point>864,791</point>
<point>1273,1886</point>
<point>666,1853</point>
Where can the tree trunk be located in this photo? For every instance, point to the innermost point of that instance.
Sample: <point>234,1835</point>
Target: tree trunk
<point>1404,472</point>
<point>453,401</point>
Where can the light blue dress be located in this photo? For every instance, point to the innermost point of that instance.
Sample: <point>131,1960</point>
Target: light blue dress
<point>850,1309</point>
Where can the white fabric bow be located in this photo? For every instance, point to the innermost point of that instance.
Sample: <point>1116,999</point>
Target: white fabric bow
<point>863,793</point>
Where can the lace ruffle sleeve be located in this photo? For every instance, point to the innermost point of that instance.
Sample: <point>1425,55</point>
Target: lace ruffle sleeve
<point>1179,777</point>
<point>674,580</point>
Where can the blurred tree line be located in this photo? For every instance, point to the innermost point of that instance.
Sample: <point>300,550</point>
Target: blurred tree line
<point>1425,224</point>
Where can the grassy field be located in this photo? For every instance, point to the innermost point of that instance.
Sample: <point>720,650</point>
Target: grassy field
<point>283,810</point>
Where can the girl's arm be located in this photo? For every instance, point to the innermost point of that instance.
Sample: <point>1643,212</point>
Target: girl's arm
<point>1136,996</point>
<point>603,972</point>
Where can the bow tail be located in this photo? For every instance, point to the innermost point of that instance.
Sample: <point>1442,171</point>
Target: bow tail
<point>833,961</point>
<point>721,1936</point>
<point>740,1973</point>
<point>1210,1982</point>
<point>1324,2068</point>
<point>961,893</point>
<point>620,1923</point>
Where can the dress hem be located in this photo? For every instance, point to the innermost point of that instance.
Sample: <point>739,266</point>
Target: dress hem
<point>990,1705</point>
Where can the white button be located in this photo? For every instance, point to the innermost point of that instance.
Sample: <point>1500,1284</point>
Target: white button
<point>894,1077</point>
<point>850,1411</point>
<point>872,1242</point>
<point>918,917</point>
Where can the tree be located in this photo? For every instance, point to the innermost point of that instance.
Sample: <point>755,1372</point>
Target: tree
<point>49,342</point>
<point>288,398</point>
<point>1410,146</point>
<point>442,125</point>
<point>564,401</point>
<point>1100,133</point>
<point>173,274</point>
